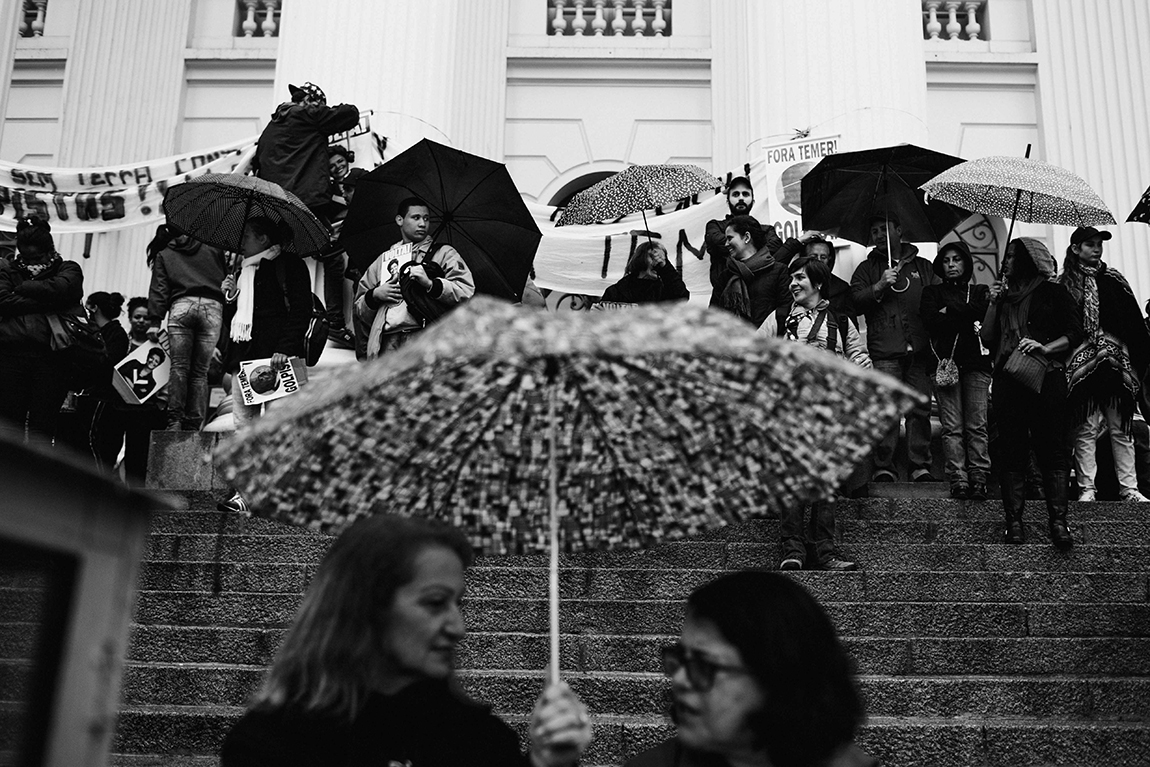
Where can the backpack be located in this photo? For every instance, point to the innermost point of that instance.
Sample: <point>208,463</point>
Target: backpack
<point>834,322</point>
<point>315,336</point>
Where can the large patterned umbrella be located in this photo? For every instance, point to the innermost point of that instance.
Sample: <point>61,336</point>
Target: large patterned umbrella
<point>1141,212</point>
<point>214,208</point>
<point>533,431</point>
<point>638,188</point>
<point>1020,189</point>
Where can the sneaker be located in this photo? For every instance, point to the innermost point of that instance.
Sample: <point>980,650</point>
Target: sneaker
<point>1087,496</point>
<point>959,490</point>
<point>977,491</point>
<point>1131,495</point>
<point>883,475</point>
<point>342,338</point>
<point>835,564</point>
<point>922,475</point>
<point>235,504</point>
<point>791,563</point>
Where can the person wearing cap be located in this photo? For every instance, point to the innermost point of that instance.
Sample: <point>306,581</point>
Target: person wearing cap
<point>1105,371</point>
<point>293,152</point>
<point>887,291</point>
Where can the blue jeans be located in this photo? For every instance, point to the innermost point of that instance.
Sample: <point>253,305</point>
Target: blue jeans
<point>194,324</point>
<point>913,370</point>
<point>962,411</point>
<point>820,532</point>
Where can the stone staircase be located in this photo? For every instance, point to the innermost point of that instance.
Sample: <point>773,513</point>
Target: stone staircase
<point>969,652</point>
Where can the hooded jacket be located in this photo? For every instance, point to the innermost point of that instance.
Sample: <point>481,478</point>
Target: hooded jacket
<point>292,150</point>
<point>187,267</point>
<point>952,312</point>
<point>893,325</point>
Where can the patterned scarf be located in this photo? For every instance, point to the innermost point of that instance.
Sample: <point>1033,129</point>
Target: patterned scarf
<point>35,270</point>
<point>736,297</point>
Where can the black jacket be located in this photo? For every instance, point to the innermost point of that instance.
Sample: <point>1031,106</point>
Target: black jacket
<point>281,314</point>
<point>1052,314</point>
<point>424,725</point>
<point>186,267</point>
<point>956,322</point>
<point>26,302</point>
<point>633,290</point>
<point>292,150</point>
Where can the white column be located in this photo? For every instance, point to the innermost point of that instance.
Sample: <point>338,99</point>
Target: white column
<point>121,103</point>
<point>1093,80</point>
<point>10,17</point>
<point>799,64</point>
<point>393,56</point>
<point>480,77</point>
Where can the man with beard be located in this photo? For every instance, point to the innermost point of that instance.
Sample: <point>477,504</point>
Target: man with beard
<point>740,200</point>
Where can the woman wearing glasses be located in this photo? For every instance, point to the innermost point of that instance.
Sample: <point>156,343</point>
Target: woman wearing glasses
<point>759,677</point>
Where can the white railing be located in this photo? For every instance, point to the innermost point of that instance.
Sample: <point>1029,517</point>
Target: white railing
<point>32,21</point>
<point>606,18</point>
<point>257,18</point>
<point>943,19</point>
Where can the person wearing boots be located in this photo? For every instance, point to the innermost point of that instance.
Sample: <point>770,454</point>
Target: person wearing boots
<point>1104,373</point>
<point>1037,317</point>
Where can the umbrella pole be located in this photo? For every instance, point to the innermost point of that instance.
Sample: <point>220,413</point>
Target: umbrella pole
<point>553,493</point>
<point>1014,214</point>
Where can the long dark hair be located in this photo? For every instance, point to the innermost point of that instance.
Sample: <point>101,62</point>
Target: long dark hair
<point>164,235</point>
<point>749,225</point>
<point>789,645</point>
<point>331,654</point>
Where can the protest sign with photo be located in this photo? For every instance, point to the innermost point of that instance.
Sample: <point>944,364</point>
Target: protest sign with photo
<point>259,383</point>
<point>142,374</point>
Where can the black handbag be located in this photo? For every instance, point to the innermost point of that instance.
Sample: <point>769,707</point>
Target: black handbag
<point>80,345</point>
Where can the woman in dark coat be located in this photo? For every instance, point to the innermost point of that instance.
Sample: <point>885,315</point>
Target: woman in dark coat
<point>34,285</point>
<point>1031,313</point>
<point>952,312</point>
<point>749,282</point>
<point>648,278</point>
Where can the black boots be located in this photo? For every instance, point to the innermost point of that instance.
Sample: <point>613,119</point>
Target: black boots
<point>1013,498</point>
<point>1057,487</point>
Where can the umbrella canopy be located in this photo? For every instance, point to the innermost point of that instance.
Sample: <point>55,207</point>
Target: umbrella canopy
<point>1141,212</point>
<point>475,207</point>
<point>1020,189</point>
<point>640,187</point>
<point>669,421</point>
<point>843,191</point>
<point>214,207</point>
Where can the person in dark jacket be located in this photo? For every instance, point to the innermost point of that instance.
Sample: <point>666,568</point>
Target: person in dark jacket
<point>365,674</point>
<point>140,420</point>
<point>887,291</point>
<point>33,378</point>
<point>1037,316</point>
<point>952,312</point>
<point>293,152</point>
<point>759,676</point>
<point>749,282</point>
<point>1105,373</point>
<point>648,278</point>
<point>187,276</point>
<point>273,305</point>
<point>740,201</point>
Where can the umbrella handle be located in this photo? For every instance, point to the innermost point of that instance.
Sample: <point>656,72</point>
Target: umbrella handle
<point>553,574</point>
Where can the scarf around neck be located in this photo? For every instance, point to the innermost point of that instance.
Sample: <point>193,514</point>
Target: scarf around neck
<point>246,303</point>
<point>1016,315</point>
<point>736,296</point>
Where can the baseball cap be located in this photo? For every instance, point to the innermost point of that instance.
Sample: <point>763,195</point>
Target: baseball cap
<point>1084,233</point>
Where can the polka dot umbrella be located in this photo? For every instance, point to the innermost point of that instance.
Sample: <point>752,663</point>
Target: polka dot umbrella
<point>1020,189</point>
<point>638,188</point>
<point>536,432</point>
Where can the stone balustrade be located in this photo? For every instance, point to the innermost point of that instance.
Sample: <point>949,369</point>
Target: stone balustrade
<point>32,21</point>
<point>943,19</point>
<point>609,18</point>
<point>258,18</point>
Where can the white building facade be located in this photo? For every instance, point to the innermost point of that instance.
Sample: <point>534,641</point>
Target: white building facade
<point>567,91</point>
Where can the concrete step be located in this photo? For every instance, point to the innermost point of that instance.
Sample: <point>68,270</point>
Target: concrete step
<point>629,617</point>
<point>639,694</point>
<point>897,742</point>
<point>629,583</point>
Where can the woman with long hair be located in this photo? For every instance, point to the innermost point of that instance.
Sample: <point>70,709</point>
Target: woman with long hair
<point>648,278</point>
<point>37,283</point>
<point>365,674</point>
<point>1031,314</point>
<point>751,283</point>
<point>759,676</point>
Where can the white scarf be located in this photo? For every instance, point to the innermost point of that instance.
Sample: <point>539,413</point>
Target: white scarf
<point>242,322</point>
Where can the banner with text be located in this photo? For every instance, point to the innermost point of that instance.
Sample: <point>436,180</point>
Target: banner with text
<point>785,165</point>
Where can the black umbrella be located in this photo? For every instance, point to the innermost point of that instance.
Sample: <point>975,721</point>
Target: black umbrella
<point>215,207</point>
<point>843,191</point>
<point>1141,211</point>
<point>475,207</point>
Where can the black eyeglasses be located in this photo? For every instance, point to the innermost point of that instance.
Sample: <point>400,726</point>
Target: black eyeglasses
<point>700,670</point>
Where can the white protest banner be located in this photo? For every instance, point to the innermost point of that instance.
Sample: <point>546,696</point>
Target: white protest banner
<point>785,165</point>
<point>259,383</point>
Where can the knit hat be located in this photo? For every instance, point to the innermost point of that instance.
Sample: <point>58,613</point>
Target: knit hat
<point>1041,257</point>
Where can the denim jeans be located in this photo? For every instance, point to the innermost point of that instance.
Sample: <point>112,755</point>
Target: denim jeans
<point>820,531</point>
<point>194,324</point>
<point>913,370</point>
<point>962,411</point>
<point>1121,445</point>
